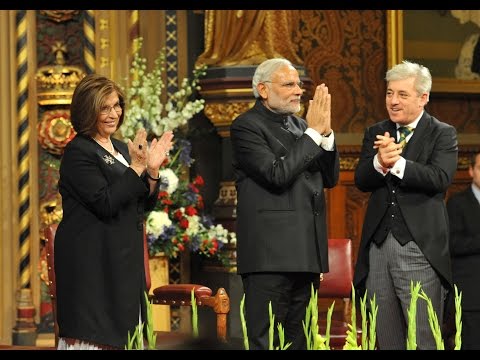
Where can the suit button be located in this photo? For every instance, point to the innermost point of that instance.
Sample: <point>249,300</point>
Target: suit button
<point>316,213</point>
<point>307,176</point>
<point>316,193</point>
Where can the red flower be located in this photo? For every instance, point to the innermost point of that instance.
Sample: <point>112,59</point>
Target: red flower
<point>184,223</point>
<point>200,203</point>
<point>178,214</point>
<point>199,180</point>
<point>193,188</point>
<point>181,247</point>
<point>190,211</point>
<point>162,194</point>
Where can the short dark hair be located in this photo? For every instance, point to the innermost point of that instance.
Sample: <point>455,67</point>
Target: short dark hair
<point>473,159</point>
<point>88,98</point>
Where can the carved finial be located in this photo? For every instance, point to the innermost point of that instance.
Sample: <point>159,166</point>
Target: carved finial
<point>59,48</point>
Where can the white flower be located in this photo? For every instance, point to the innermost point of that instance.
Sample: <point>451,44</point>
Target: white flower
<point>144,106</point>
<point>169,180</point>
<point>194,225</point>
<point>156,222</point>
<point>220,233</point>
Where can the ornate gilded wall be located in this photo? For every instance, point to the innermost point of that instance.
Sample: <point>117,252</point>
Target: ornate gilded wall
<point>346,50</point>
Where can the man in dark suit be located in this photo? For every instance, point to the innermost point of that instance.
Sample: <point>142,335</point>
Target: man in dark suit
<point>405,230</point>
<point>464,214</point>
<point>282,164</point>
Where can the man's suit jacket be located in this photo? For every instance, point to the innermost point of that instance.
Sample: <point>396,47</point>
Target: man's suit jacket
<point>99,262</point>
<point>431,162</point>
<point>464,214</point>
<point>280,176</point>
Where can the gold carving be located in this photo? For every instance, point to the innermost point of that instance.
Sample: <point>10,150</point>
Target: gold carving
<point>348,163</point>
<point>222,114</point>
<point>50,213</point>
<point>463,163</point>
<point>227,194</point>
<point>59,15</point>
<point>55,131</point>
<point>56,83</point>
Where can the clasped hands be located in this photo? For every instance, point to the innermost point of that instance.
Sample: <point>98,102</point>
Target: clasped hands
<point>388,150</point>
<point>149,157</point>
<point>319,111</point>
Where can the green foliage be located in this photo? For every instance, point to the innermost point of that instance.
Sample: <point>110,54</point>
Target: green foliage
<point>433,321</point>
<point>373,323</point>
<point>193,300</point>
<point>244,323</point>
<point>271,332</point>
<point>151,336</point>
<point>351,340</point>
<point>314,340</point>
<point>412,317</point>
<point>458,319</point>
<point>363,311</point>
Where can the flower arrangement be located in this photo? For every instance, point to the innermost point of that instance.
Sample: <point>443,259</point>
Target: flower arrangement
<point>177,223</point>
<point>145,106</point>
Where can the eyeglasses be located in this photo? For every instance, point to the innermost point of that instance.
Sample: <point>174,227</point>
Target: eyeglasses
<point>105,110</point>
<point>288,85</point>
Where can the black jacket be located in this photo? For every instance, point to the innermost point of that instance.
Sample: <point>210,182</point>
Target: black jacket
<point>280,177</point>
<point>99,262</point>
<point>431,163</point>
<point>464,214</point>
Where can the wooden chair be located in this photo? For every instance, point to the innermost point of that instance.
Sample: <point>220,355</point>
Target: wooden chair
<point>337,283</point>
<point>180,295</point>
<point>172,294</point>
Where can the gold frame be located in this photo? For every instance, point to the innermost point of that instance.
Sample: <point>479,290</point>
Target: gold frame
<point>395,55</point>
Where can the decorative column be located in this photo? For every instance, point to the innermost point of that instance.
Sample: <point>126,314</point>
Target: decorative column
<point>89,40</point>
<point>24,332</point>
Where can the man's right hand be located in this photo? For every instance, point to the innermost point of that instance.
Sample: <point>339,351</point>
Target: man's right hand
<point>319,111</point>
<point>388,151</point>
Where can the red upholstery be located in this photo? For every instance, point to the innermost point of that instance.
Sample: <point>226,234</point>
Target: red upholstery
<point>173,294</point>
<point>337,283</point>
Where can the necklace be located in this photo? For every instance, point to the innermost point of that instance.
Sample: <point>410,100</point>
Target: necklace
<point>105,145</point>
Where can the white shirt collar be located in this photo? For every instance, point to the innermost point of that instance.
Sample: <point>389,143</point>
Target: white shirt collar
<point>414,123</point>
<point>476,192</point>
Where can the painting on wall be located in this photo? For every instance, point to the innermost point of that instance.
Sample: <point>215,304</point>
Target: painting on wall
<point>446,41</point>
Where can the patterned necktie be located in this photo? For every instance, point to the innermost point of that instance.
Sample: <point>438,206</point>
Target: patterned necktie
<point>404,132</point>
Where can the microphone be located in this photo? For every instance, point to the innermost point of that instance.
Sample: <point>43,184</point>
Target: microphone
<point>285,124</point>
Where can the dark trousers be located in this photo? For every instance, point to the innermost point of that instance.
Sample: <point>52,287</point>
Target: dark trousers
<point>289,293</point>
<point>470,330</point>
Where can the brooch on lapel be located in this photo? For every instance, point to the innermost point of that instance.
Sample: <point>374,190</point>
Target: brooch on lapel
<point>108,159</point>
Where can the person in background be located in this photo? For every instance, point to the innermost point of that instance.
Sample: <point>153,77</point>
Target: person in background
<point>282,164</point>
<point>106,185</point>
<point>464,215</point>
<point>407,163</point>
